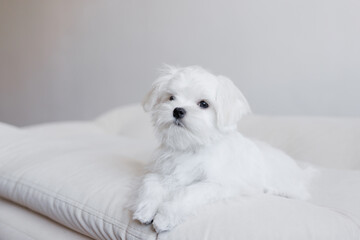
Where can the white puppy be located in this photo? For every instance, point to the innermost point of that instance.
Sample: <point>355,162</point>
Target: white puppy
<point>202,157</point>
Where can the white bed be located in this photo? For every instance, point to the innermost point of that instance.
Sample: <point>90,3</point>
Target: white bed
<point>71,180</point>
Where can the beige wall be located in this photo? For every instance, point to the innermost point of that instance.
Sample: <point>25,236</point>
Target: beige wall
<point>64,60</point>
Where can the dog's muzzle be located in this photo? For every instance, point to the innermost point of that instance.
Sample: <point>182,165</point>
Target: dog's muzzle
<point>179,113</point>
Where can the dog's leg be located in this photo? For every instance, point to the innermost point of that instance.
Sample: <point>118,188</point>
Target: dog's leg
<point>185,202</point>
<point>149,196</point>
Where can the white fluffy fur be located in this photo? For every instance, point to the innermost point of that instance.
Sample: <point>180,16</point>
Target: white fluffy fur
<point>206,159</point>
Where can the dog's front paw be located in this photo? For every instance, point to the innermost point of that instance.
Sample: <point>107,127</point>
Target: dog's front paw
<point>166,218</point>
<point>145,212</point>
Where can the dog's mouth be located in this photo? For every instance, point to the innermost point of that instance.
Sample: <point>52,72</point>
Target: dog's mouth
<point>177,122</point>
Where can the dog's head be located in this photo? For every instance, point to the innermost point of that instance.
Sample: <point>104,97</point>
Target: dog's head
<point>191,107</point>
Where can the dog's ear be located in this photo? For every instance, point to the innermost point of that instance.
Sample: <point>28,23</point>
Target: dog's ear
<point>154,96</point>
<point>231,104</point>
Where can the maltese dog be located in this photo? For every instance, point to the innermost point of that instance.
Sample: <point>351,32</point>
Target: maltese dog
<point>202,157</point>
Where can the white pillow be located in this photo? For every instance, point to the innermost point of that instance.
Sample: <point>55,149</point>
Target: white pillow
<point>80,176</point>
<point>329,142</point>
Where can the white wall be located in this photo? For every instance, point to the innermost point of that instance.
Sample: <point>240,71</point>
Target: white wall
<point>75,59</point>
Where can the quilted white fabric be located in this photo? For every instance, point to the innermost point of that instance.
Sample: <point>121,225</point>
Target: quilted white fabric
<point>80,175</point>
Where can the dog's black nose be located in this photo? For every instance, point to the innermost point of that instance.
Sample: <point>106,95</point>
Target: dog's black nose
<point>179,113</point>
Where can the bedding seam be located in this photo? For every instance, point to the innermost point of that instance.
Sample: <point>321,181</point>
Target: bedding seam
<point>71,202</point>
<point>339,211</point>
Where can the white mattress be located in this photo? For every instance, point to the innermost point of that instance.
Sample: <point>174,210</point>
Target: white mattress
<point>80,174</point>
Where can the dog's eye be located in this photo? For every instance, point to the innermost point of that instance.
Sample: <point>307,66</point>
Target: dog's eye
<point>171,98</point>
<point>203,104</point>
